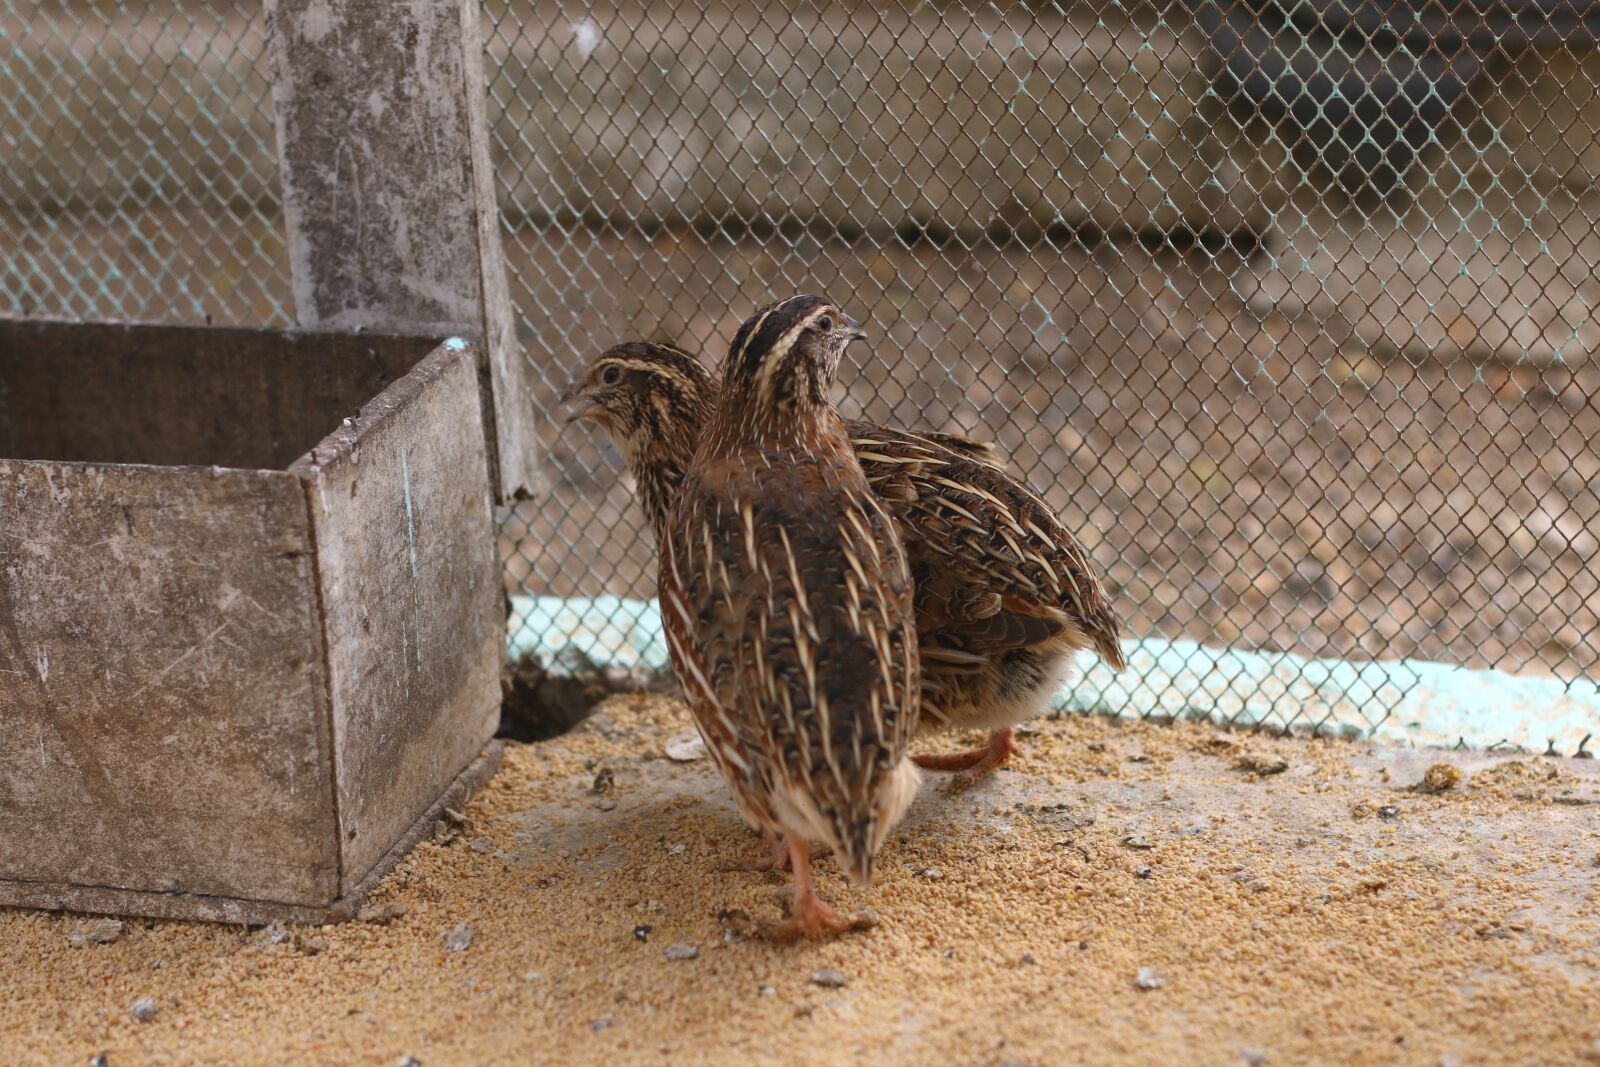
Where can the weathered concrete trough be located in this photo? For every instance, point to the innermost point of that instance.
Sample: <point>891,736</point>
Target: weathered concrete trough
<point>250,614</point>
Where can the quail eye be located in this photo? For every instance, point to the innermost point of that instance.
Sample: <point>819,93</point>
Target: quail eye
<point>825,324</point>
<point>611,375</point>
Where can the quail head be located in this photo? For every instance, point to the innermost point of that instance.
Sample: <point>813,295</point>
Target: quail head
<point>653,399</point>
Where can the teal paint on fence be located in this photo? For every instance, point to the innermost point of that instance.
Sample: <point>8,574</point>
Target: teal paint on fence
<point>1405,702</point>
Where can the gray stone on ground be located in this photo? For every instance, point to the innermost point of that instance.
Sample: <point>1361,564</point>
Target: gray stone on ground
<point>458,937</point>
<point>829,978</point>
<point>96,932</point>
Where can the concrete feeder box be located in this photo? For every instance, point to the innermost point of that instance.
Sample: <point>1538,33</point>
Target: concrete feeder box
<point>251,618</point>
<point>250,614</point>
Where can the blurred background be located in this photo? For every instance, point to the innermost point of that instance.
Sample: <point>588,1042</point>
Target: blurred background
<point>1289,308</point>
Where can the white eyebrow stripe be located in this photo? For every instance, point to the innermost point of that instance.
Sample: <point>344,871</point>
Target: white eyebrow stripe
<point>735,355</point>
<point>785,344</point>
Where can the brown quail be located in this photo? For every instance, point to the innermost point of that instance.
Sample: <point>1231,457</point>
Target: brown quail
<point>1005,594</point>
<point>787,606</point>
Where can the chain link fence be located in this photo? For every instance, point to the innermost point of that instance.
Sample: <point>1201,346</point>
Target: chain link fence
<point>1288,308</point>
<point>138,172</point>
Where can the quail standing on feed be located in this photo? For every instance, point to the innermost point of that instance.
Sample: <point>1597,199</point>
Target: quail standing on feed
<point>1005,595</point>
<point>788,609</point>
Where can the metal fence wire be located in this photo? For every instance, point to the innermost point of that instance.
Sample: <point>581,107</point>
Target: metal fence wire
<point>1289,308</point>
<point>138,170</point>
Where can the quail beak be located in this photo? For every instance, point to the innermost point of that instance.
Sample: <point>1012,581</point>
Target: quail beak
<point>853,330</point>
<point>590,410</point>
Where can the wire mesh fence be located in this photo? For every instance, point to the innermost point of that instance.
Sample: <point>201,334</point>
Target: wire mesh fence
<point>138,176</point>
<point>1288,308</point>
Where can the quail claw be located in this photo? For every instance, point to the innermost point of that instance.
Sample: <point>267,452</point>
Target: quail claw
<point>975,764</point>
<point>811,919</point>
<point>776,860</point>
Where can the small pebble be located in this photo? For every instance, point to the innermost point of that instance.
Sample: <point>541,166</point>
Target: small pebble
<point>1026,960</point>
<point>382,914</point>
<point>642,932</point>
<point>677,850</point>
<point>828,978</point>
<point>686,748</point>
<point>767,991</point>
<point>1148,979</point>
<point>100,1061</point>
<point>602,724</point>
<point>309,944</point>
<point>458,937</point>
<point>604,779</point>
<point>933,874</point>
<point>481,844</point>
<point>605,1022</point>
<point>98,932</point>
<point>1138,841</point>
<point>1388,811</point>
<point>408,1060</point>
<point>1440,778</point>
<point>1253,1057</point>
<point>1260,765</point>
<point>681,951</point>
<point>1141,872</point>
<point>605,804</point>
<point>144,1009</point>
<point>276,933</point>
<point>736,925</point>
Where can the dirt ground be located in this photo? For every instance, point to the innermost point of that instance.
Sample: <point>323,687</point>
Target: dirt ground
<point>1127,894</point>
